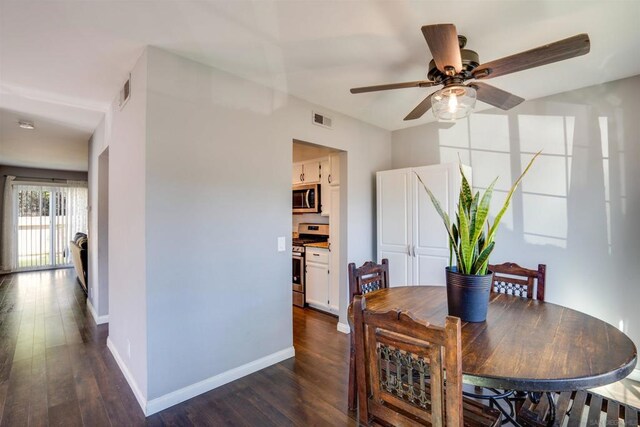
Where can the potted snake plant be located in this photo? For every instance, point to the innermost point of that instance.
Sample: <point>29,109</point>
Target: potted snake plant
<point>471,240</point>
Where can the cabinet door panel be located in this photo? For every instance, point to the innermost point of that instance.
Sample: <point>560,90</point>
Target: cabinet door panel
<point>429,232</point>
<point>312,172</point>
<point>430,238</point>
<point>394,224</point>
<point>325,198</point>
<point>430,269</point>
<point>296,174</point>
<point>317,285</point>
<point>399,267</point>
<point>334,169</point>
<point>393,210</point>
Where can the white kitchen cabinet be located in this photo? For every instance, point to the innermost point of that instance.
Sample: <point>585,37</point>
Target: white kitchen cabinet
<point>317,279</point>
<point>311,171</point>
<point>296,175</point>
<point>410,231</point>
<point>333,177</point>
<point>307,172</point>
<point>325,200</point>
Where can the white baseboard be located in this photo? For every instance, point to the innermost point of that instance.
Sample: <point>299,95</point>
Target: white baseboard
<point>635,375</point>
<point>142,401</point>
<point>98,319</point>
<point>185,393</point>
<point>344,328</point>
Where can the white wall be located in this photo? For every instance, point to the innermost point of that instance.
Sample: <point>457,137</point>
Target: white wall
<point>97,144</point>
<point>127,142</point>
<point>579,209</point>
<point>199,190</point>
<point>103,233</point>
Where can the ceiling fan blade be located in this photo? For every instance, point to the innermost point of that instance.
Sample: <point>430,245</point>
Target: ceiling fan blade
<point>547,54</point>
<point>443,43</point>
<point>422,108</point>
<point>419,83</point>
<point>496,97</point>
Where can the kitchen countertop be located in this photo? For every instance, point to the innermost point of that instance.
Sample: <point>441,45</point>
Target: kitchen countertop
<point>321,245</point>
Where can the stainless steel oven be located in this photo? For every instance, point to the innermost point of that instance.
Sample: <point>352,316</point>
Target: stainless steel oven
<point>307,234</point>
<point>298,275</point>
<point>306,198</point>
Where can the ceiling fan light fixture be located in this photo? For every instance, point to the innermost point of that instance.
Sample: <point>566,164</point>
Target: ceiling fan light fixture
<point>453,102</point>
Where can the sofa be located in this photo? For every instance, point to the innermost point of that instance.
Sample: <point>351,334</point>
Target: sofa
<point>78,249</point>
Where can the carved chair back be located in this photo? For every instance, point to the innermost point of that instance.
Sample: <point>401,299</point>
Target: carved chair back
<point>405,361</point>
<point>368,278</point>
<point>510,278</point>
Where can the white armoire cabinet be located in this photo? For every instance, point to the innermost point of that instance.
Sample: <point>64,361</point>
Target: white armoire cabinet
<point>410,231</point>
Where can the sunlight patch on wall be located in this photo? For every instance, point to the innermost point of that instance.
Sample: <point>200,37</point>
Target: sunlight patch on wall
<point>487,165</point>
<point>545,216</point>
<point>489,132</point>
<point>569,129</point>
<point>548,175</point>
<point>604,143</point>
<point>545,240</point>
<point>496,204</point>
<point>454,155</point>
<point>542,132</point>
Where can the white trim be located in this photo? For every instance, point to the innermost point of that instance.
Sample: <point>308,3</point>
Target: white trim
<point>344,328</point>
<point>185,393</point>
<point>142,401</point>
<point>98,319</point>
<point>634,375</point>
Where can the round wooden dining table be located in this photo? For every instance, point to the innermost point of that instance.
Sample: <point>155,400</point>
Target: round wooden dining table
<point>524,344</point>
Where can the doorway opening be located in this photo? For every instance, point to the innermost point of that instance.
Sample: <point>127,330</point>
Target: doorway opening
<point>319,229</point>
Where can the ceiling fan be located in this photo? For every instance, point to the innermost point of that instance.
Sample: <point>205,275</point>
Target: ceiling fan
<point>452,65</point>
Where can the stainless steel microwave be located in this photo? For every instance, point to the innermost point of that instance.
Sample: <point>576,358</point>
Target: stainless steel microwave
<point>306,198</point>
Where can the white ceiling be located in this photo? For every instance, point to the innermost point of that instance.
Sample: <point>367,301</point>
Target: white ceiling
<point>51,145</point>
<point>77,53</point>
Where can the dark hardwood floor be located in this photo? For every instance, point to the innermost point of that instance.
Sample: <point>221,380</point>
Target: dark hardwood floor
<point>55,369</point>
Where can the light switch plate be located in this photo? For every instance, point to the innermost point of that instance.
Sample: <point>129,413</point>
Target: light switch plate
<point>281,244</point>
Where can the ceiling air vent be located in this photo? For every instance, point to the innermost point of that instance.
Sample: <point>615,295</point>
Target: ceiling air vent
<point>125,93</point>
<point>321,120</point>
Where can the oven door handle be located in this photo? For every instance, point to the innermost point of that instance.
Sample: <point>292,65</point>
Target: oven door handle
<point>307,198</point>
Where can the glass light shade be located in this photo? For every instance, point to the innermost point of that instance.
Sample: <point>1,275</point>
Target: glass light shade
<point>453,102</point>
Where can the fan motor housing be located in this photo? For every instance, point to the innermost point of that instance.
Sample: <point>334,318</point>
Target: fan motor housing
<point>470,62</point>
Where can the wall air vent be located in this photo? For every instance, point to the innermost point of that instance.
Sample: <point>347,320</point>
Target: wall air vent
<point>125,93</point>
<point>321,120</point>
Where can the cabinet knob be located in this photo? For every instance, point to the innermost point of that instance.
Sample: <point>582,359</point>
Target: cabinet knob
<point>301,179</point>
<point>329,178</point>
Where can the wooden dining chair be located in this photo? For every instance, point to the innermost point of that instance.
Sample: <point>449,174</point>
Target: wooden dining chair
<point>578,408</point>
<point>402,363</point>
<point>367,278</point>
<point>510,278</point>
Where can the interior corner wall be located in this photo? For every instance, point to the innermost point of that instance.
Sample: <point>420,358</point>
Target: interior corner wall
<point>218,194</point>
<point>127,141</point>
<point>97,144</point>
<point>579,206</point>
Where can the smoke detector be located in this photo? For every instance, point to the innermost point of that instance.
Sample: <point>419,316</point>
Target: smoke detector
<point>26,125</point>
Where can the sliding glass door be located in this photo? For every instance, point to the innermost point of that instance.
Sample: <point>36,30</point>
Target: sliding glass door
<point>47,217</point>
